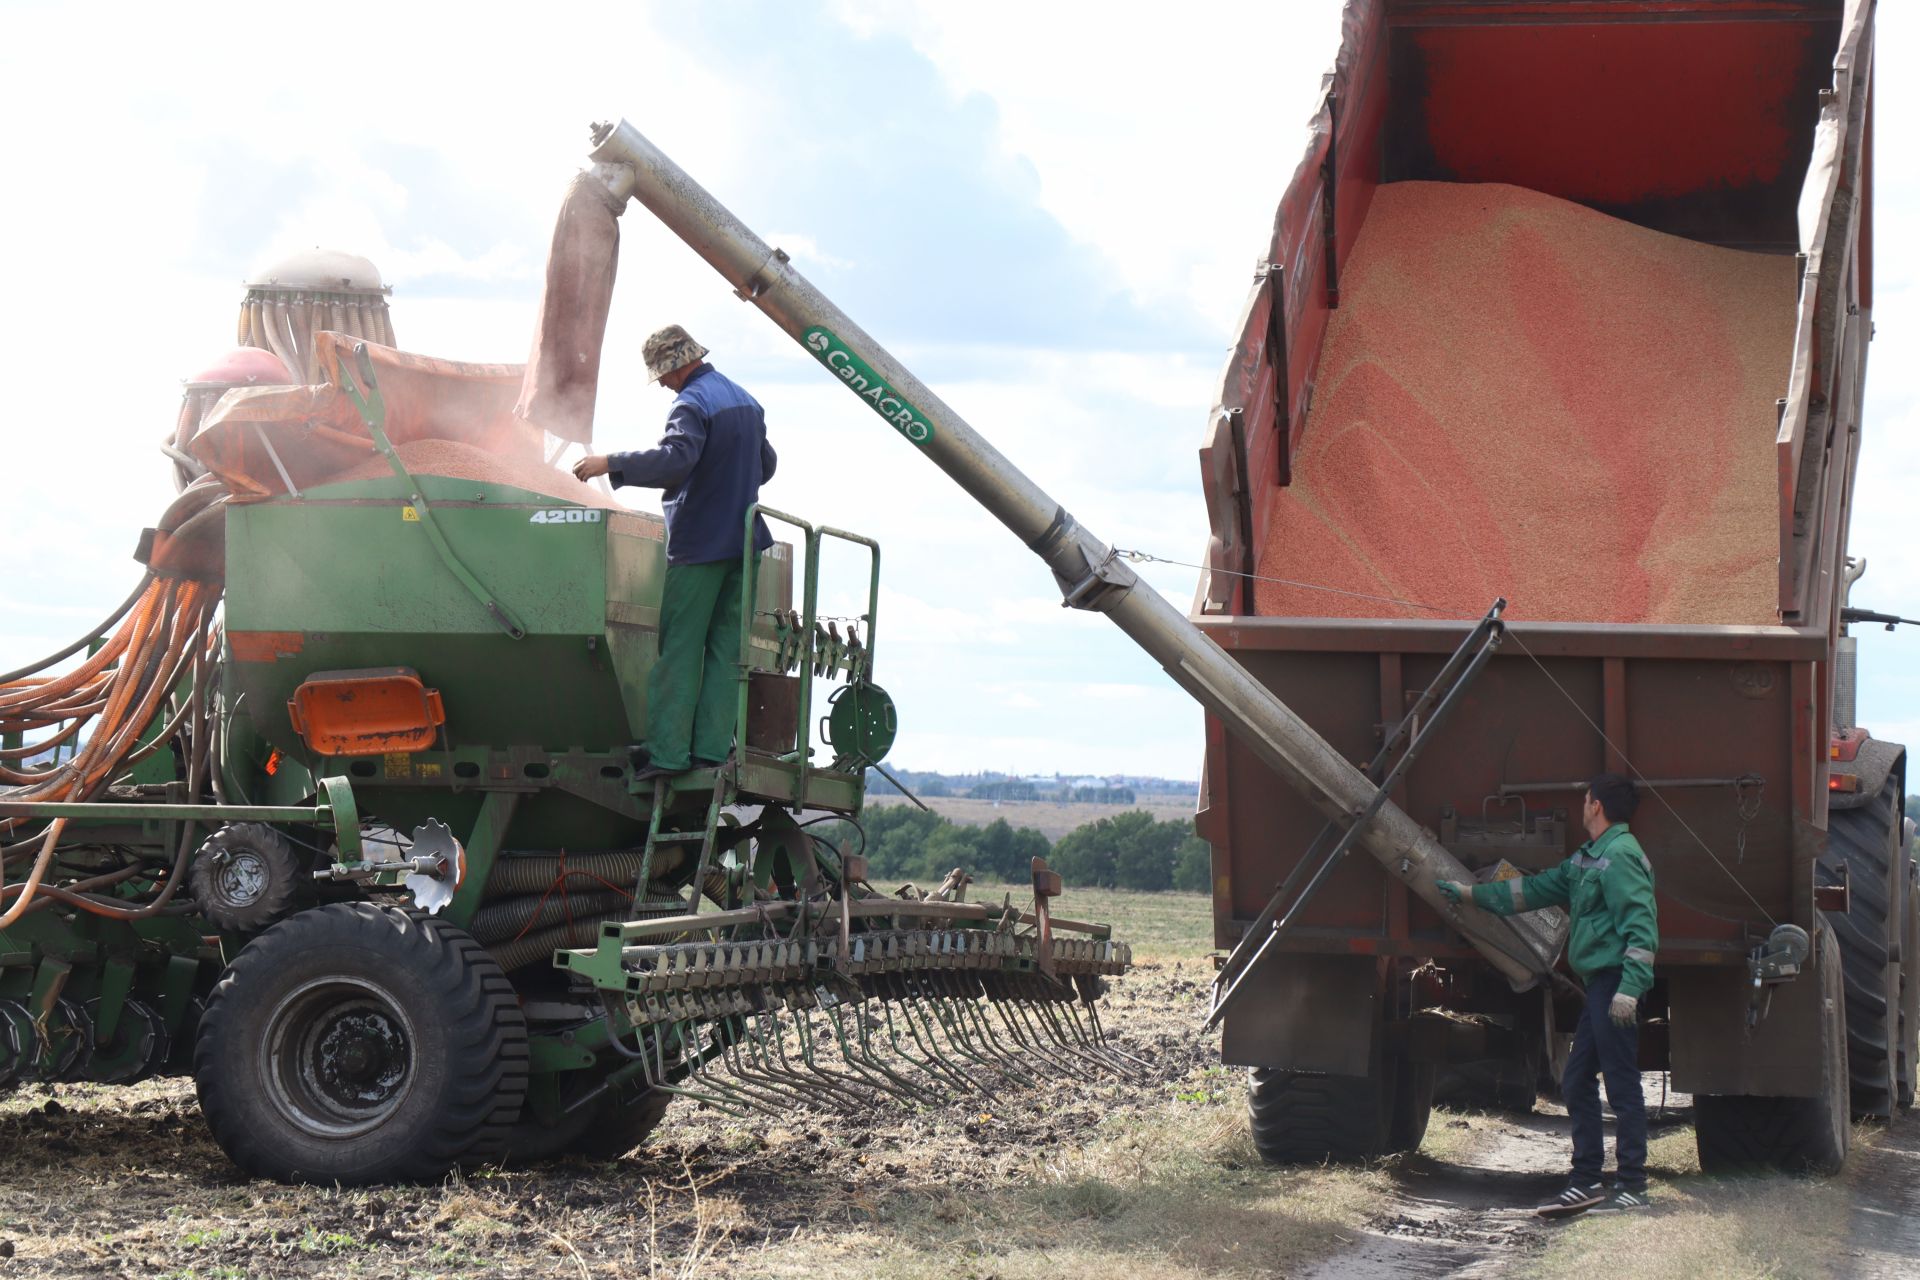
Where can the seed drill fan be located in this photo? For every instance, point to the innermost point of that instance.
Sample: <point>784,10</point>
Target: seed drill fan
<point>338,809</point>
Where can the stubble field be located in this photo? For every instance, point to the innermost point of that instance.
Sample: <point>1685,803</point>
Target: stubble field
<point>1093,1178</point>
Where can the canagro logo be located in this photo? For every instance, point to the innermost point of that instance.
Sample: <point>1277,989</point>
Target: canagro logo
<point>868,385</point>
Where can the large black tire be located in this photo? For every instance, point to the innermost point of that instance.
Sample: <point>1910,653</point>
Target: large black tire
<point>358,1044</point>
<point>1412,1105</point>
<point>1906,1059</point>
<point>1736,1133</point>
<point>604,1129</point>
<point>623,1123</point>
<point>1866,841</point>
<point>1504,1084</point>
<point>1299,1118</point>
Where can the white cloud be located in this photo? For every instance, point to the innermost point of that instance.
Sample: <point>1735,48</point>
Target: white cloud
<point>1160,146</point>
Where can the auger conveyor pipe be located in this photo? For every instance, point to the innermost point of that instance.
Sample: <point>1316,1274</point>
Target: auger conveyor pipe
<point>1090,576</point>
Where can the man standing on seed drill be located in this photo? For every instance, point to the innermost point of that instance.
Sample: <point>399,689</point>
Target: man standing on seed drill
<point>712,462</point>
<point>1607,890</point>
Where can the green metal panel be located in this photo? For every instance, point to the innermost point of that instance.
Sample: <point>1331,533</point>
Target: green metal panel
<point>342,578</point>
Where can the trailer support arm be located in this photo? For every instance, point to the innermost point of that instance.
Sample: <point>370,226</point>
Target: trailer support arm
<point>1090,576</point>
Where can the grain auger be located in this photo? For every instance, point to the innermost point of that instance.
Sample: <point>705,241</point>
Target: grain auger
<point>847,1002</point>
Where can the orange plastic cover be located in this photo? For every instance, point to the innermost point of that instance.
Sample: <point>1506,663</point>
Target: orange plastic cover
<point>317,434</point>
<point>366,712</point>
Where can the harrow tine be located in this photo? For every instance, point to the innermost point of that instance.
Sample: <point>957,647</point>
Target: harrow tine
<point>1010,1061</point>
<point>744,1079</point>
<point>755,1064</point>
<point>659,1079</point>
<point>847,1099</point>
<point>1107,1046</point>
<point>1008,1007</point>
<point>943,1075</point>
<point>924,1036</point>
<point>835,1079</point>
<point>862,1063</point>
<point>963,1013</point>
<point>1073,1036</point>
<point>732,1086</point>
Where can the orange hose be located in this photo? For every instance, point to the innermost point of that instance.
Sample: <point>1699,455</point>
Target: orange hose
<point>19,907</point>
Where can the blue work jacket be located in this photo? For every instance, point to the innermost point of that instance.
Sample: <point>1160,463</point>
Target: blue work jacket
<point>711,462</point>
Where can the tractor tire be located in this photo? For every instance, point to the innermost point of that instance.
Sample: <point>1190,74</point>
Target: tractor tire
<point>622,1124</point>
<point>1301,1118</point>
<point>247,876</point>
<point>1866,841</point>
<point>1906,1053</point>
<point>1736,1133</point>
<point>604,1129</point>
<point>358,1044</point>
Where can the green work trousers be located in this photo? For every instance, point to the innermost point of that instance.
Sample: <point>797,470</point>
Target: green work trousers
<point>693,691</point>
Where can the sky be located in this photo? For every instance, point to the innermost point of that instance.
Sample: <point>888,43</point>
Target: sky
<point>1052,221</point>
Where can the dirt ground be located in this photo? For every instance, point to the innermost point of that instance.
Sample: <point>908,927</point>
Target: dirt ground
<point>1092,1178</point>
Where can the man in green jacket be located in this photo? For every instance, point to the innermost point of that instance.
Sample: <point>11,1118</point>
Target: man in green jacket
<point>1607,890</point>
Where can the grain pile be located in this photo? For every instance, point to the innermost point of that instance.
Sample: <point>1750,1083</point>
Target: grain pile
<point>469,462</point>
<point>1519,396</point>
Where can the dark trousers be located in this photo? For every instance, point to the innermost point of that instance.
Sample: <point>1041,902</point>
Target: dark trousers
<point>693,690</point>
<point>1602,1049</point>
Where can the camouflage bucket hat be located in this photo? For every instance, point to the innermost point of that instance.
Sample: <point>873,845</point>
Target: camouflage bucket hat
<point>668,349</point>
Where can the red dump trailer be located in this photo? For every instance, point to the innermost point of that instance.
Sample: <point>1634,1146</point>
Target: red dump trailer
<point>1731,137</point>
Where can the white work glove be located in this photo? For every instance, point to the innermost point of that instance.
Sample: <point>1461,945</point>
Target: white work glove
<point>1624,1010</point>
<point>1452,890</point>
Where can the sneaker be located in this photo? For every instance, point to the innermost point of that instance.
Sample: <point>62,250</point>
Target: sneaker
<point>1577,1198</point>
<point>1623,1201</point>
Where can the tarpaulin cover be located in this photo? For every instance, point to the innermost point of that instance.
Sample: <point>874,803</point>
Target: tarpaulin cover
<point>563,371</point>
<point>317,434</point>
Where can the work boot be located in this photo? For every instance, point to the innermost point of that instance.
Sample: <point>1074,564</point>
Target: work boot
<point>1577,1198</point>
<point>653,771</point>
<point>1624,1200</point>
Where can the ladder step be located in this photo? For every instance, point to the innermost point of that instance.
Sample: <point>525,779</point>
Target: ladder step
<point>679,835</point>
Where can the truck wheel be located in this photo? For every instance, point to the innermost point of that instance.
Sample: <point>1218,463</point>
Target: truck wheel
<point>354,1044</point>
<point>1302,1118</point>
<point>1866,840</point>
<point>1736,1132</point>
<point>1412,1105</point>
<point>246,876</point>
<point>1504,1084</point>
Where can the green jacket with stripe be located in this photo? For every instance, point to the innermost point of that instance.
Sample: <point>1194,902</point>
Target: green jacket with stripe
<point>1607,889</point>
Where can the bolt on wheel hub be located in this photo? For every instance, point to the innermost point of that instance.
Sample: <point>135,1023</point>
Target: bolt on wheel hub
<point>339,1057</point>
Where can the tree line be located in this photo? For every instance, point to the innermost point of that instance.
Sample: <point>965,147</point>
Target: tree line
<point>1129,850</point>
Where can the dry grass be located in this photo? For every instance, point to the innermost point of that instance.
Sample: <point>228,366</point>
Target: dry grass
<point>1162,927</point>
<point>1705,1228</point>
<point>1173,1194</point>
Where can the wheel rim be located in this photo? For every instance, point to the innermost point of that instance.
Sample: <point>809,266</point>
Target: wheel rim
<point>340,1057</point>
<point>242,878</point>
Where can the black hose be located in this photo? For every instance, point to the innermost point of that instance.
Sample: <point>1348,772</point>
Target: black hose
<point>504,919</point>
<point>540,946</point>
<point>535,873</point>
